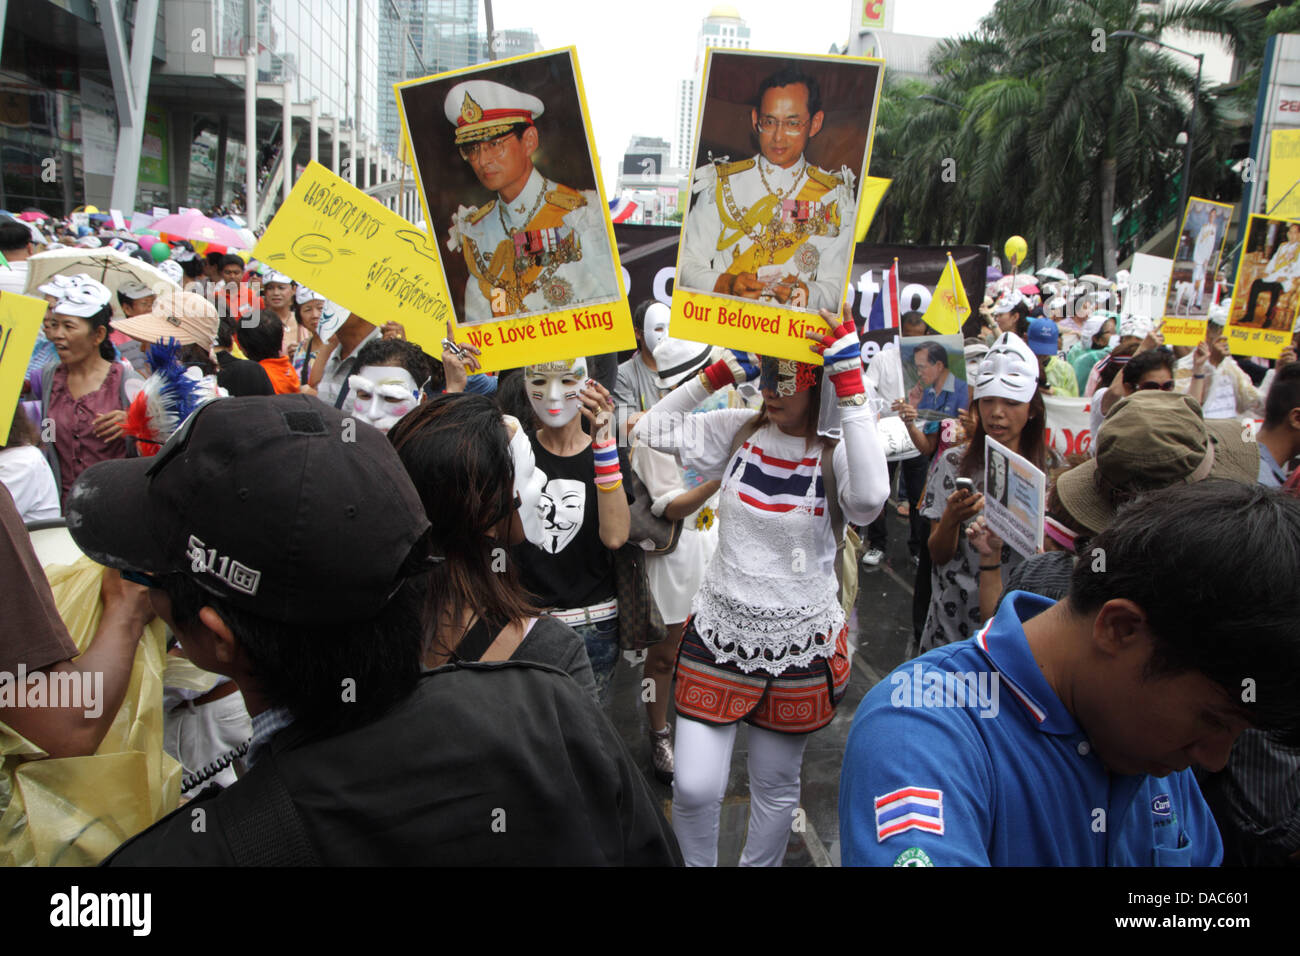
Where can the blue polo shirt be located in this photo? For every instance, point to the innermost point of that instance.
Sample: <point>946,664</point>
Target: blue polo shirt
<point>949,400</point>
<point>928,781</point>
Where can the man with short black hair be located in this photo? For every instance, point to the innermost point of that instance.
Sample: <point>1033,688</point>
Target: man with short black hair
<point>357,757</point>
<point>1063,734</point>
<point>1279,436</point>
<point>261,339</point>
<point>232,269</point>
<point>16,246</point>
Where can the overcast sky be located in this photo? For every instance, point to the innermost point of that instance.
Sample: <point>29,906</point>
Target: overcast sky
<point>633,52</point>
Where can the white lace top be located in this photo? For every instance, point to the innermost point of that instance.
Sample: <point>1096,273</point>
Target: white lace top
<point>769,599</point>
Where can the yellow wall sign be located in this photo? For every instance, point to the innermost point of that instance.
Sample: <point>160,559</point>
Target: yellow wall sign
<point>1284,174</point>
<point>20,320</point>
<point>332,237</point>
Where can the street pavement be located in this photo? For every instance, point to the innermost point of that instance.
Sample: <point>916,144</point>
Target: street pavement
<point>879,632</point>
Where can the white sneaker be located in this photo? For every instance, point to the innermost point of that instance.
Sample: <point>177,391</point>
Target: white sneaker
<point>872,557</point>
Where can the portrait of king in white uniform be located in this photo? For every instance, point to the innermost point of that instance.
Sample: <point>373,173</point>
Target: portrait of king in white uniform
<point>511,190</point>
<point>775,226</point>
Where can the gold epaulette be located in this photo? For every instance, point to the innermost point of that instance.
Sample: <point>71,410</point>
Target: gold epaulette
<point>566,199</point>
<point>739,166</point>
<point>477,215</point>
<point>823,178</point>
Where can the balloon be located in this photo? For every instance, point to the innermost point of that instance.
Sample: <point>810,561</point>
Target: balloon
<point>146,242</point>
<point>160,252</point>
<point>1016,249</point>
<point>90,209</point>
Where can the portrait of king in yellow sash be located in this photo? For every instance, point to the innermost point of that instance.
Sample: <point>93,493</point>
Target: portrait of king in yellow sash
<point>538,245</point>
<point>773,227</point>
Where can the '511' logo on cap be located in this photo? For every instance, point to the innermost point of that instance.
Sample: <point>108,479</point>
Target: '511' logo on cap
<point>239,576</point>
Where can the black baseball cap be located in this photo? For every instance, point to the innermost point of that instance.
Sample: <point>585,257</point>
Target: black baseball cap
<point>279,504</point>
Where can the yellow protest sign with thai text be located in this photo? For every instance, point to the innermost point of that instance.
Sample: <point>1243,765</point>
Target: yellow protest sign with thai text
<point>333,238</point>
<point>20,321</point>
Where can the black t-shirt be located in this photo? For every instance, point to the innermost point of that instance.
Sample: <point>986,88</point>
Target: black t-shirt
<point>573,568</point>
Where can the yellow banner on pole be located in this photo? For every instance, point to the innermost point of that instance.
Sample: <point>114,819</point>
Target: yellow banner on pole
<point>949,307</point>
<point>20,320</point>
<point>873,194</point>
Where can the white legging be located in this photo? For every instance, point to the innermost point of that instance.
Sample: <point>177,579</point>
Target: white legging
<point>702,764</point>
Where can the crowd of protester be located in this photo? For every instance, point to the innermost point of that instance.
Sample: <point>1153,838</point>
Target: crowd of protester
<point>396,590</point>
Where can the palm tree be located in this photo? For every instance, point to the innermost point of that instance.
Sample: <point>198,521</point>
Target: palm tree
<point>1113,109</point>
<point>1055,128</point>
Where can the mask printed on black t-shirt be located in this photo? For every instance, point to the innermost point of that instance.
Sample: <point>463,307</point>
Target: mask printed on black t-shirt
<point>563,506</point>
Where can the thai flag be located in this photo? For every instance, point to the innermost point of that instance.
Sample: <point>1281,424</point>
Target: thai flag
<point>911,808</point>
<point>620,210</point>
<point>884,308</point>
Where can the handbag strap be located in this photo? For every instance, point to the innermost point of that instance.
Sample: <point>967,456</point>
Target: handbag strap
<point>476,641</point>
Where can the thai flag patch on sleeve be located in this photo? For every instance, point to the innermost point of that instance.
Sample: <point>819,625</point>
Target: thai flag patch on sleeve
<point>911,808</point>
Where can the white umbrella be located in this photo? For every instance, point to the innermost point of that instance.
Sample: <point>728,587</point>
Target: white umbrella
<point>1055,275</point>
<point>105,265</point>
<point>1095,280</point>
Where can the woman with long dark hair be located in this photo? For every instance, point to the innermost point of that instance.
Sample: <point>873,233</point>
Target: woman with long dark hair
<point>475,473</point>
<point>766,642</point>
<point>1010,410</point>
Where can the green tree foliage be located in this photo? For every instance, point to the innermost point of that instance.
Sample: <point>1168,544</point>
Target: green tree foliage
<point>1055,130</point>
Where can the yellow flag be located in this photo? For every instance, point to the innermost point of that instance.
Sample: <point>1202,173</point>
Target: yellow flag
<point>949,307</point>
<point>873,192</point>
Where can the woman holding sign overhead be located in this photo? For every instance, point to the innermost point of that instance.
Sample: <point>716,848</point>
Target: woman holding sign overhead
<point>1010,411</point>
<point>766,642</point>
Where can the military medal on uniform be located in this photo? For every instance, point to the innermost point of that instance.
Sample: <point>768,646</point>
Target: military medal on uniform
<point>777,222</point>
<point>526,260</point>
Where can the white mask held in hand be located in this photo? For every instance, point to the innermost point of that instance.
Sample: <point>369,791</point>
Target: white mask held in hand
<point>553,389</point>
<point>655,329</point>
<point>529,482</point>
<point>381,395</point>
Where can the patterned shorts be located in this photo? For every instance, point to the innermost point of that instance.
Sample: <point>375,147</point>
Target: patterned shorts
<point>801,700</point>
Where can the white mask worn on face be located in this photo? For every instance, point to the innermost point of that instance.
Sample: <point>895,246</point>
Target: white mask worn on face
<point>553,389</point>
<point>655,329</point>
<point>529,482</point>
<point>380,395</point>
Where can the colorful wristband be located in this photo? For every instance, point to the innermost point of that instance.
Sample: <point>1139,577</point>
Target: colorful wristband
<point>609,485</point>
<point>718,375</point>
<point>606,457</point>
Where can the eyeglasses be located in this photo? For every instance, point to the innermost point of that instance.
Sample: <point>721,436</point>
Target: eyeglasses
<point>1153,386</point>
<point>770,124</point>
<point>488,149</point>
